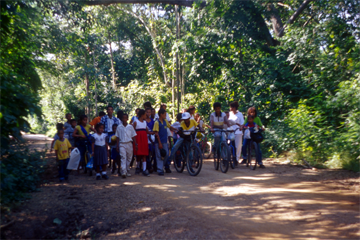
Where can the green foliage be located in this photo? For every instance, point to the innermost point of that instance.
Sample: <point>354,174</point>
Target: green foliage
<point>21,171</point>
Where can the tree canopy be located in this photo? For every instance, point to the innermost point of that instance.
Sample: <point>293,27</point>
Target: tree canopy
<point>296,61</point>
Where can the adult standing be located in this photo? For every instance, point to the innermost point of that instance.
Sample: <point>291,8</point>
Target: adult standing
<point>238,119</point>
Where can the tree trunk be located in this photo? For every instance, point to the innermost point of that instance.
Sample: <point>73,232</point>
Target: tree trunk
<point>96,108</point>
<point>277,24</point>
<point>153,38</point>
<point>87,87</point>
<point>294,16</point>
<point>177,55</point>
<point>112,66</point>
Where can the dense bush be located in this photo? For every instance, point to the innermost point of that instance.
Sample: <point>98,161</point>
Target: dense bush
<point>21,171</point>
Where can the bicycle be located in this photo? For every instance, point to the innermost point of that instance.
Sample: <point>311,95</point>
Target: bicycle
<point>252,153</point>
<point>232,154</point>
<point>222,153</point>
<point>205,147</point>
<point>190,156</point>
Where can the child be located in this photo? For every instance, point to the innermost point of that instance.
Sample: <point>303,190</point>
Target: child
<point>187,125</point>
<point>67,124</point>
<point>125,134</point>
<point>134,118</point>
<point>82,139</point>
<point>59,126</point>
<point>142,149</point>
<point>218,121</point>
<point>99,151</point>
<point>252,112</point>
<point>200,121</point>
<point>114,153</point>
<point>69,132</point>
<point>97,119</point>
<point>176,126</point>
<point>160,128</point>
<point>153,114</point>
<point>150,124</point>
<point>62,147</point>
<point>191,110</point>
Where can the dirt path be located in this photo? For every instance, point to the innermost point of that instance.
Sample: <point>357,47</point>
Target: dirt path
<point>280,201</point>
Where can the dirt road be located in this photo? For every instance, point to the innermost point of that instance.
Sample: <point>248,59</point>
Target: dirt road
<point>281,201</point>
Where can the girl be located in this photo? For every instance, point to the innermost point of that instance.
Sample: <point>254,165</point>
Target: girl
<point>82,139</point>
<point>99,151</point>
<point>141,142</point>
<point>150,125</point>
<point>134,118</point>
<point>253,113</point>
<point>238,118</point>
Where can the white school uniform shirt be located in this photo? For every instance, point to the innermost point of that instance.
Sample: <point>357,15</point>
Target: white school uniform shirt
<point>125,134</point>
<point>218,121</point>
<point>237,118</point>
<point>99,139</point>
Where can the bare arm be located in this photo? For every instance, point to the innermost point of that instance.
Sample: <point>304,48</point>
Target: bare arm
<point>75,134</point>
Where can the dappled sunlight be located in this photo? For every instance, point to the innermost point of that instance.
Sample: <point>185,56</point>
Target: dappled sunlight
<point>141,210</point>
<point>131,183</point>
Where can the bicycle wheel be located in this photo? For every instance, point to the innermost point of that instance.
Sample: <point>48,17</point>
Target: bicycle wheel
<point>207,150</point>
<point>224,157</point>
<point>179,161</point>
<point>194,160</point>
<point>252,150</point>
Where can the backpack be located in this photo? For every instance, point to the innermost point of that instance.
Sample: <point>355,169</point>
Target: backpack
<point>256,137</point>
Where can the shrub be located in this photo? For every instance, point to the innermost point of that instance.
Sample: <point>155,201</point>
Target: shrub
<point>21,171</point>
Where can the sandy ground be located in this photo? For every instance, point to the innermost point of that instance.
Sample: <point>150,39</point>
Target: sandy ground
<point>281,201</point>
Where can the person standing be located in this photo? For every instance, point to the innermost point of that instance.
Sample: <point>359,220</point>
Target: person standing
<point>191,110</point>
<point>99,151</point>
<point>238,118</point>
<point>62,148</point>
<point>163,106</point>
<point>67,124</point>
<point>125,134</point>
<point>108,121</point>
<point>161,131</point>
<point>97,119</point>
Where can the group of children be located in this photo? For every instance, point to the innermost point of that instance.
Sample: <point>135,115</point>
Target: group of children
<point>116,139</point>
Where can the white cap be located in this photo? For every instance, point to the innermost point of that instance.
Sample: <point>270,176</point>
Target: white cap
<point>185,115</point>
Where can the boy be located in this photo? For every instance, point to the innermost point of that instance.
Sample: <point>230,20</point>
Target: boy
<point>252,125</point>
<point>59,126</point>
<point>97,119</point>
<point>67,124</point>
<point>69,132</point>
<point>218,121</point>
<point>125,134</point>
<point>62,147</point>
<point>160,128</point>
<point>187,125</point>
<point>114,154</point>
<point>153,114</point>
